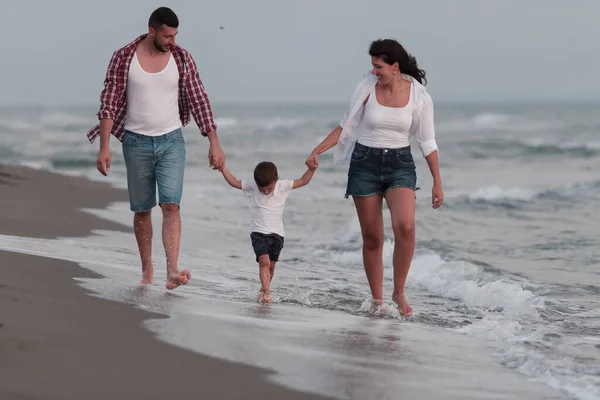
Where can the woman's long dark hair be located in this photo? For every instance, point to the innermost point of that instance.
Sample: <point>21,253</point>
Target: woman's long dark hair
<point>390,51</point>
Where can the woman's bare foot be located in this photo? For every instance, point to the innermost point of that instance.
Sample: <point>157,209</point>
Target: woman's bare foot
<point>147,275</point>
<point>403,307</point>
<point>264,296</point>
<point>178,278</point>
<point>375,305</point>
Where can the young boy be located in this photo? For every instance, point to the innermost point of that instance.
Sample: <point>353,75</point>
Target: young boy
<point>268,195</point>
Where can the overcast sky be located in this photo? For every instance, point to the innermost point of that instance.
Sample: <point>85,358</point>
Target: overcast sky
<point>56,52</point>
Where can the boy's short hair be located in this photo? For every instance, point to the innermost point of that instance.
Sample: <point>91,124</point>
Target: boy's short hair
<point>265,173</point>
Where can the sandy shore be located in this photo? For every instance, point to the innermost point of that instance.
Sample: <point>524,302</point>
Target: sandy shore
<point>41,204</point>
<point>56,342</point>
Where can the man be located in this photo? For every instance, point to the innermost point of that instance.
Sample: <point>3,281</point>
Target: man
<point>151,88</point>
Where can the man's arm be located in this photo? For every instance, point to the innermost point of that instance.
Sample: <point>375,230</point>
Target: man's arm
<point>198,99</point>
<point>111,95</point>
<point>236,183</point>
<point>104,158</point>
<point>109,102</point>
<point>202,113</point>
<point>305,178</point>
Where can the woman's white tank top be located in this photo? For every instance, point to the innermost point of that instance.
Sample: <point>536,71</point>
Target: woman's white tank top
<point>385,127</point>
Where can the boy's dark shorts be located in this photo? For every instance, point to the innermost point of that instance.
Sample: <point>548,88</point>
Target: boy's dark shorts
<point>270,244</point>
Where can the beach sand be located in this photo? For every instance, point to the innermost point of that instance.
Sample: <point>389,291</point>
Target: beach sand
<point>58,342</point>
<point>42,204</point>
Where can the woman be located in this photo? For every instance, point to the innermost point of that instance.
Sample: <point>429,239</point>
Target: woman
<point>387,108</point>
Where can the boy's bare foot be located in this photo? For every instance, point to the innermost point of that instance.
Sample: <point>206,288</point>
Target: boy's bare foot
<point>147,275</point>
<point>264,297</point>
<point>403,307</point>
<point>178,278</point>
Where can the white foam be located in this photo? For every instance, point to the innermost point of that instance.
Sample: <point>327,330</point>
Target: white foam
<point>462,281</point>
<point>490,119</point>
<point>352,232</point>
<point>309,349</point>
<point>493,328</point>
<point>551,368</point>
<point>493,193</point>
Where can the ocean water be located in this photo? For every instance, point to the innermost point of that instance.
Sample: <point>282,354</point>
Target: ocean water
<point>504,282</point>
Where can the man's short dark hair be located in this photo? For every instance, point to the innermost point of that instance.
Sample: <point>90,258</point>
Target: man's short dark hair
<point>265,173</point>
<point>163,16</point>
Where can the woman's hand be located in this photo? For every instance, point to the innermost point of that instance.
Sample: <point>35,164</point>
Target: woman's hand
<point>437,196</point>
<point>312,162</point>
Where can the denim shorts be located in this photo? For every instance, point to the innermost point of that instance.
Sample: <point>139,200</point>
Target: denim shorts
<point>153,161</point>
<point>374,171</point>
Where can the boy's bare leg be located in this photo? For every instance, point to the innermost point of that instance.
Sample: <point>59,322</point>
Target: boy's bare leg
<point>142,227</point>
<point>171,235</point>
<point>264,265</point>
<point>272,270</point>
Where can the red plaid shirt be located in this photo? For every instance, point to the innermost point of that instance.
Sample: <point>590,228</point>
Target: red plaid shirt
<point>113,99</point>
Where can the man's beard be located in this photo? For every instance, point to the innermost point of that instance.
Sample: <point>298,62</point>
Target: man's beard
<point>160,48</point>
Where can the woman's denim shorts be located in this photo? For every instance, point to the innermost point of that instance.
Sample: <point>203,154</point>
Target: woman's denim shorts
<point>374,170</point>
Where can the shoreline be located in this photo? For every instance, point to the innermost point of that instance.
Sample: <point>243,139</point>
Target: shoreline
<point>58,341</point>
<point>42,204</point>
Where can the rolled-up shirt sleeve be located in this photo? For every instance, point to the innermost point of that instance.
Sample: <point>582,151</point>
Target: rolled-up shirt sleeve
<point>425,129</point>
<point>111,95</point>
<point>198,100</point>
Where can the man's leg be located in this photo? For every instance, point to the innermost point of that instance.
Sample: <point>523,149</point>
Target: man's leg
<point>169,177</point>
<point>141,184</point>
<point>142,226</point>
<point>171,235</point>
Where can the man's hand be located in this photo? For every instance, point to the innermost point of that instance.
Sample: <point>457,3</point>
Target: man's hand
<point>103,161</point>
<point>216,157</point>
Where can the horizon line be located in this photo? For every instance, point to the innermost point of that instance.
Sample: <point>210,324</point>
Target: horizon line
<point>441,102</point>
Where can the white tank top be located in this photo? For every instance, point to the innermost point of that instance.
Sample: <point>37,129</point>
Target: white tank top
<point>152,99</point>
<point>385,127</point>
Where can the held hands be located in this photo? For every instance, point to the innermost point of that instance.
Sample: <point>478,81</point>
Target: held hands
<point>312,162</point>
<point>437,196</point>
<point>216,157</point>
<point>103,161</point>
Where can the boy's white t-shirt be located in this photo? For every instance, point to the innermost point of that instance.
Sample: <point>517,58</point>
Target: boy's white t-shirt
<point>267,209</point>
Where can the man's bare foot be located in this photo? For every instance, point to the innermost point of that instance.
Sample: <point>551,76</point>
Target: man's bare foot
<point>264,296</point>
<point>177,279</point>
<point>147,276</point>
<point>403,307</point>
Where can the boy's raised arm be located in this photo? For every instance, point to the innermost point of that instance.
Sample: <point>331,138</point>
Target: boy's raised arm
<point>231,179</point>
<point>305,178</point>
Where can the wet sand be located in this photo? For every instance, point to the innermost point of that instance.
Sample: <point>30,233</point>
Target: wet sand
<point>58,342</point>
